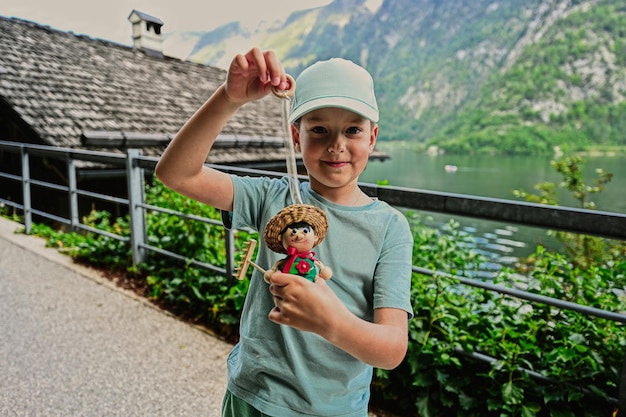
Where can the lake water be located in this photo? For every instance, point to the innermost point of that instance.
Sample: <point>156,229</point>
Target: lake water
<point>497,177</point>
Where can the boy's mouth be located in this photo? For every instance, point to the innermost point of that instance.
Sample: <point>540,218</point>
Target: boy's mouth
<point>336,164</point>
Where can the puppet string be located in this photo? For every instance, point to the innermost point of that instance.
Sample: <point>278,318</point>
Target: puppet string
<point>290,154</point>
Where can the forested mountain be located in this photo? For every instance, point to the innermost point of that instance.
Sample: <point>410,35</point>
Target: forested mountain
<point>516,76</point>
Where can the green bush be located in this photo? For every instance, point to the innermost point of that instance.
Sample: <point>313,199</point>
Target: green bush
<point>574,360</point>
<point>90,247</point>
<point>577,352</point>
<point>204,296</point>
<point>582,250</point>
<point>454,323</point>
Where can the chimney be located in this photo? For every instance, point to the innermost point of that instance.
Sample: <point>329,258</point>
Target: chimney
<point>147,33</point>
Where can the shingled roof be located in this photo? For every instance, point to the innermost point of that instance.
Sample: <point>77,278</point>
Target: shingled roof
<point>74,91</point>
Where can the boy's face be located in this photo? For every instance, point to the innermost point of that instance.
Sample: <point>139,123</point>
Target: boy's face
<point>335,145</point>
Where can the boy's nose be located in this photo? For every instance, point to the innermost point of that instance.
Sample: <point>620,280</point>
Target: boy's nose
<point>337,145</point>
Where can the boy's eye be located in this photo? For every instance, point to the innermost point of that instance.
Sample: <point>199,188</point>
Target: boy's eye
<point>318,130</point>
<point>353,130</point>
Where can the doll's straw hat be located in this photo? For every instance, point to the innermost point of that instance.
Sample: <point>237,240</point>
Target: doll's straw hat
<point>314,216</point>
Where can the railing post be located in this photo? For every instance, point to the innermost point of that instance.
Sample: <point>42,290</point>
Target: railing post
<point>620,409</point>
<point>28,213</point>
<point>73,194</point>
<point>229,241</point>
<point>134,174</point>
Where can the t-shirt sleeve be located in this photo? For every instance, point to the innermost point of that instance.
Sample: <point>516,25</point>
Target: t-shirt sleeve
<point>252,198</point>
<point>392,278</point>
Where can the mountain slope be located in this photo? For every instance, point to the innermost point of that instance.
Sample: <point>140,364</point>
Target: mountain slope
<point>566,89</point>
<point>464,74</point>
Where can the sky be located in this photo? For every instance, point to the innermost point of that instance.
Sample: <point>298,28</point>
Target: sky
<point>108,19</point>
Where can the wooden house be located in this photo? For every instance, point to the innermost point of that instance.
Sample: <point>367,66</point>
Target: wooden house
<point>67,90</point>
<point>73,91</point>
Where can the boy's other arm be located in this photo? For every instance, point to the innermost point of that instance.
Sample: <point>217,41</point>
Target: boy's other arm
<point>382,344</point>
<point>314,307</point>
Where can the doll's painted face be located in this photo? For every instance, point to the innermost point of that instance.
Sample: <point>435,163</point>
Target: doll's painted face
<point>300,236</point>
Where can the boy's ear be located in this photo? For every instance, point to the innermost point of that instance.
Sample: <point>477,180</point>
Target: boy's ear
<point>295,134</point>
<point>373,136</point>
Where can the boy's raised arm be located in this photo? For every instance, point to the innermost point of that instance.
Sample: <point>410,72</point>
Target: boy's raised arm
<point>181,167</point>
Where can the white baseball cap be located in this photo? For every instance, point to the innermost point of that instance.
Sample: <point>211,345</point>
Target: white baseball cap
<point>336,82</point>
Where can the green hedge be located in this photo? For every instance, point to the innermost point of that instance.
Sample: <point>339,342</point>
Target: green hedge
<point>582,355</point>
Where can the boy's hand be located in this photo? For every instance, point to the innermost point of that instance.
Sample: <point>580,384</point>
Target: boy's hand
<point>314,307</point>
<point>252,76</point>
<point>305,305</point>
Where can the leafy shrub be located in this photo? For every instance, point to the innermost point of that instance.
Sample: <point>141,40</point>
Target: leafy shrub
<point>579,354</point>
<point>91,247</point>
<point>539,360</point>
<point>583,250</point>
<point>546,361</point>
<point>200,294</point>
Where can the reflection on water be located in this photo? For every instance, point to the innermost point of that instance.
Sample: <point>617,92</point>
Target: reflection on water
<point>500,245</point>
<point>497,177</point>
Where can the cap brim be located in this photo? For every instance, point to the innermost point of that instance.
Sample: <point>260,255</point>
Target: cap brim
<point>355,106</point>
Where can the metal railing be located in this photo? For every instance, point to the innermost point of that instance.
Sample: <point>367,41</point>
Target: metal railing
<point>134,167</point>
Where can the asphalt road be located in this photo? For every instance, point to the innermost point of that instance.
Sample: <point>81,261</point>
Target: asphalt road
<point>73,344</point>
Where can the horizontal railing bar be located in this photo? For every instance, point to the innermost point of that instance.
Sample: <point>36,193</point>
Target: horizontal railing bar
<point>66,153</point>
<point>104,197</point>
<point>187,261</point>
<point>147,162</point>
<point>527,295</point>
<point>81,226</point>
<point>50,216</point>
<point>51,185</point>
<point>12,204</point>
<point>597,223</point>
<point>533,374</point>
<point>592,222</point>
<point>489,359</point>
<point>87,228</point>
<point>10,176</point>
<point>104,172</point>
<point>84,193</point>
<point>180,214</point>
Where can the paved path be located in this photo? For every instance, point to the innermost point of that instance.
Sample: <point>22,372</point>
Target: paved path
<point>72,344</point>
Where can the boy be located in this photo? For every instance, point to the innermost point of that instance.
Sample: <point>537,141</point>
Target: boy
<point>313,354</point>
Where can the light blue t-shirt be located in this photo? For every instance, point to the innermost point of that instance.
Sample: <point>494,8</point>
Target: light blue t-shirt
<point>285,372</point>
